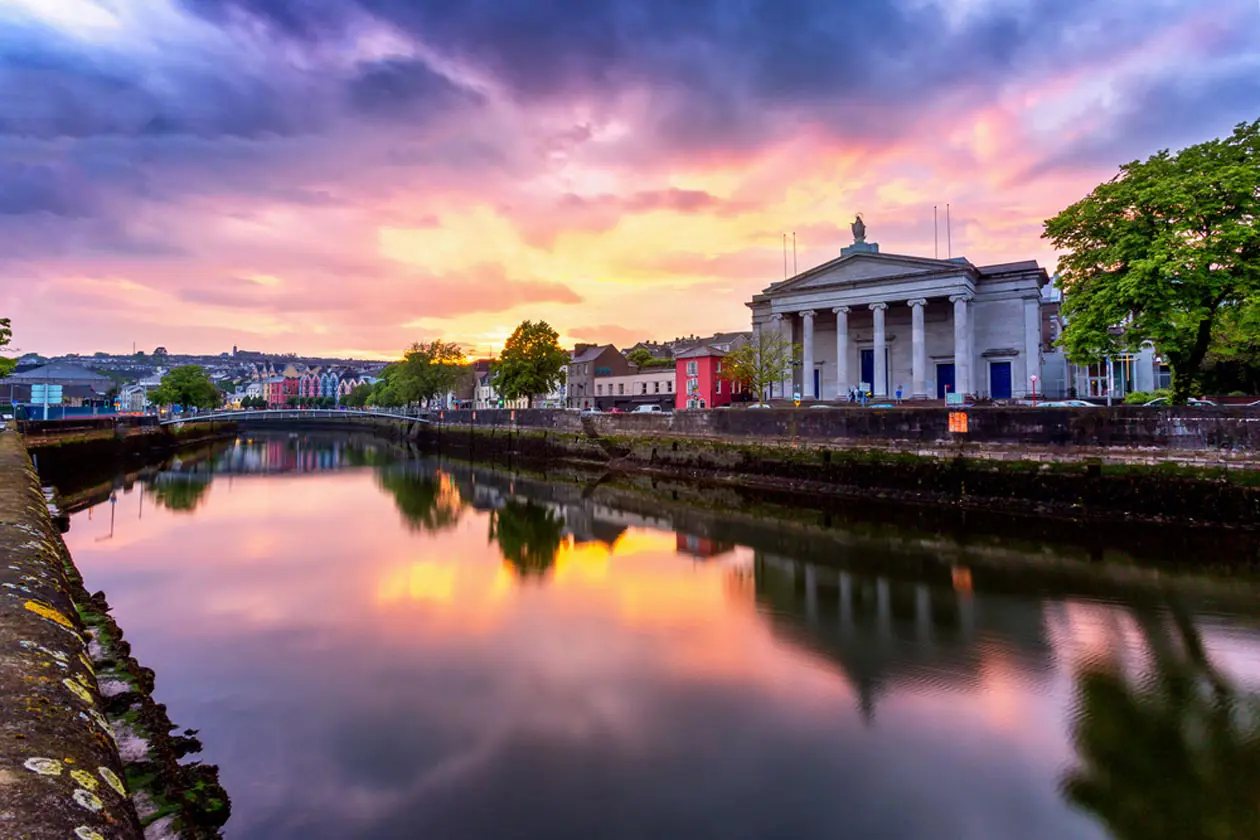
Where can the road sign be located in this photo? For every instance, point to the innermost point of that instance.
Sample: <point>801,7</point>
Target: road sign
<point>953,398</point>
<point>50,394</point>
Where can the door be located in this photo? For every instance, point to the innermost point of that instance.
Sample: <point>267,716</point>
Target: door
<point>868,368</point>
<point>944,380</point>
<point>1000,380</point>
<point>817,382</point>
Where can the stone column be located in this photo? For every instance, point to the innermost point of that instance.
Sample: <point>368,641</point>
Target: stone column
<point>1032,341</point>
<point>785,330</point>
<point>918,376</point>
<point>880,385</point>
<point>807,354</point>
<point>842,352</point>
<point>962,344</point>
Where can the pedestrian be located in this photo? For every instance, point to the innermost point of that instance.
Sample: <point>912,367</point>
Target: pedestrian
<point>898,393</point>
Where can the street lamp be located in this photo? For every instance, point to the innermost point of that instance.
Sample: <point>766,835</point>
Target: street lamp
<point>1034,389</point>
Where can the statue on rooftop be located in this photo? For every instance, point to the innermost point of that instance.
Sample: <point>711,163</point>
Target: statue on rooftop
<point>859,230</point>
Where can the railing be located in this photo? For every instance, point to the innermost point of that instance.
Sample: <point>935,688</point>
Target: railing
<point>278,414</point>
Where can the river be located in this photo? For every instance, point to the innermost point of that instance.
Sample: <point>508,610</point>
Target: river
<point>380,646</point>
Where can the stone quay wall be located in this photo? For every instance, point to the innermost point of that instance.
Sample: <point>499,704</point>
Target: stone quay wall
<point>1130,432</point>
<point>1173,468</point>
<point>85,752</point>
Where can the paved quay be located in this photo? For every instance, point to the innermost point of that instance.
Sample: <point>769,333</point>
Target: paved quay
<point>60,772</point>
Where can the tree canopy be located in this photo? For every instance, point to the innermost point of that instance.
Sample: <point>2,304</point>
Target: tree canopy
<point>6,334</point>
<point>1161,252</point>
<point>761,363</point>
<point>358,396</point>
<point>189,386</point>
<point>426,371</point>
<point>532,362</point>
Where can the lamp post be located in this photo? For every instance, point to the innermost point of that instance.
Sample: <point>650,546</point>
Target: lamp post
<point>1034,389</point>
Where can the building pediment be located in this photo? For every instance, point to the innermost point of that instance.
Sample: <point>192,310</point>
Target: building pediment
<point>867,268</point>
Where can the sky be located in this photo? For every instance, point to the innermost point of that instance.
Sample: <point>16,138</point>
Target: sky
<point>346,177</point>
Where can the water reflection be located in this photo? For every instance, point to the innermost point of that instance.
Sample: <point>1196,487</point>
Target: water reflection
<point>1171,750</point>
<point>427,501</point>
<point>411,648</point>
<point>528,534</point>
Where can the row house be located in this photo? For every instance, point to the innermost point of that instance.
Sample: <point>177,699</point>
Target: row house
<point>277,390</point>
<point>646,386</point>
<point>589,362</point>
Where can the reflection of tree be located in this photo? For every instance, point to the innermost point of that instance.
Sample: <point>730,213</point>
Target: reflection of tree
<point>428,503</point>
<point>1176,755</point>
<point>178,493</point>
<point>528,534</point>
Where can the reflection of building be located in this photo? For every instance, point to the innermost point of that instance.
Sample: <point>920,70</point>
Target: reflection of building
<point>702,547</point>
<point>887,634</point>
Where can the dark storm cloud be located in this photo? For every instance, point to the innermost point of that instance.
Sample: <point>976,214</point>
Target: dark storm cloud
<point>1178,110</point>
<point>717,65</point>
<point>42,188</point>
<point>49,90</point>
<point>391,87</point>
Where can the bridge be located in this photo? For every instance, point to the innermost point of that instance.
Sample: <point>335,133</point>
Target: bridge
<point>291,414</point>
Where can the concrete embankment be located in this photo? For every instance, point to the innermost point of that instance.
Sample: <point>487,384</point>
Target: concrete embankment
<point>94,450</point>
<point>1150,470</point>
<point>85,752</point>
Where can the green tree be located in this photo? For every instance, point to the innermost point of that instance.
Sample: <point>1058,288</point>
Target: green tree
<point>189,386</point>
<point>1160,252</point>
<point>427,371</point>
<point>358,396</point>
<point>640,357</point>
<point>6,334</point>
<point>761,363</point>
<point>532,363</point>
<point>1233,362</point>
<point>528,534</point>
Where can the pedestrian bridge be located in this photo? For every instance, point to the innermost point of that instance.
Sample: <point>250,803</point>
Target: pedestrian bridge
<point>288,415</point>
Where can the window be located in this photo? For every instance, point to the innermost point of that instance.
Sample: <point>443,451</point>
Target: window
<point>599,389</point>
<point>621,387</point>
<point>669,386</point>
<point>718,388</point>
<point>693,384</point>
<point>656,387</point>
<point>644,386</point>
<point>691,368</point>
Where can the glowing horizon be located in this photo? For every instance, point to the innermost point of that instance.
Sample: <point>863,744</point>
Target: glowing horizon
<point>346,178</point>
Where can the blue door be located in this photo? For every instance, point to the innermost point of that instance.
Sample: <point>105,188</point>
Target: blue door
<point>868,368</point>
<point>817,382</point>
<point>944,380</point>
<point>1000,380</point>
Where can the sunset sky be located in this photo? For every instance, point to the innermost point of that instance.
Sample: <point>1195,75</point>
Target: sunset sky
<point>344,177</point>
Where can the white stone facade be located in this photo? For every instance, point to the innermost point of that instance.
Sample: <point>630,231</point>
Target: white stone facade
<point>940,324</point>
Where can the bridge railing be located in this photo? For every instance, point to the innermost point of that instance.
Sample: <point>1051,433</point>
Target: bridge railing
<point>293,414</point>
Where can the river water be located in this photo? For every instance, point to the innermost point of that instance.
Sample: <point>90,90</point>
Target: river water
<point>381,647</point>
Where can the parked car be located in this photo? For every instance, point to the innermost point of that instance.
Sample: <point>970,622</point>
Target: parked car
<point>591,411</point>
<point>649,409</point>
<point>1066,404</point>
<point>1158,401</point>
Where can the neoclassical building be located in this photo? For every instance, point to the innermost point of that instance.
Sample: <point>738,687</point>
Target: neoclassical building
<point>928,326</point>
